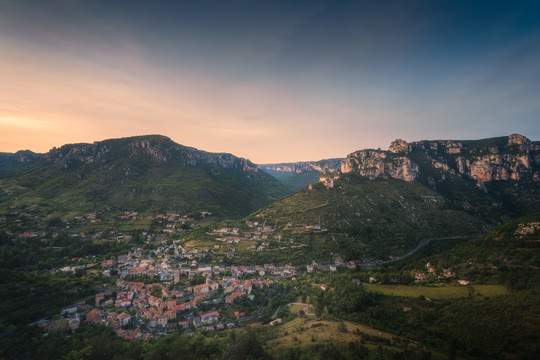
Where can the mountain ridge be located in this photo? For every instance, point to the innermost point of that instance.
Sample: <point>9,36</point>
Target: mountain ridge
<point>386,202</point>
<point>137,173</point>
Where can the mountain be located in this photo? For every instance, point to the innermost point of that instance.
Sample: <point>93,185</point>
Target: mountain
<point>148,174</point>
<point>386,202</point>
<point>483,174</point>
<point>300,174</point>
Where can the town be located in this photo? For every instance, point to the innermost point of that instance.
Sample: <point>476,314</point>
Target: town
<point>164,285</point>
<point>176,277</point>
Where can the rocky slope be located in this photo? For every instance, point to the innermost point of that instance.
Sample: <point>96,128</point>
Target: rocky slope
<point>300,167</point>
<point>145,173</point>
<point>507,158</point>
<point>160,148</point>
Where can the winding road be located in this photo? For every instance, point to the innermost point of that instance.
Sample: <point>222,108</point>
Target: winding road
<point>422,244</point>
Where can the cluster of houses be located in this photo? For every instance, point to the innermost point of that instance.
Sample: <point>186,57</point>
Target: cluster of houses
<point>138,311</point>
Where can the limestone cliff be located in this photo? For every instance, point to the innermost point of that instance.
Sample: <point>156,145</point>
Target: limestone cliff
<point>158,148</point>
<point>377,163</point>
<point>507,158</point>
<point>303,166</point>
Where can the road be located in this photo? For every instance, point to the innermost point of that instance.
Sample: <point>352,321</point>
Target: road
<point>419,246</point>
<point>424,243</point>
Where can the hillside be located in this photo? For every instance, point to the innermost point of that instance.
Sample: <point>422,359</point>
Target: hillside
<point>509,254</point>
<point>149,174</point>
<point>383,203</point>
<point>361,218</point>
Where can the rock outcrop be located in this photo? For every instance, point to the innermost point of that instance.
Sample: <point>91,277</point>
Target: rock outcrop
<point>304,166</point>
<point>377,163</point>
<point>399,146</point>
<point>159,148</point>
<point>498,159</point>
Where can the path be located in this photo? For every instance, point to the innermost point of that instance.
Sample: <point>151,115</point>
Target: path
<point>427,241</point>
<point>305,309</point>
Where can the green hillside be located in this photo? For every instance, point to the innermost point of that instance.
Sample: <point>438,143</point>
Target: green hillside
<point>147,174</point>
<point>360,218</point>
<point>508,255</point>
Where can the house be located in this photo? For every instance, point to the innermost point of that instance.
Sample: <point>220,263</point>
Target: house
<point>69,310</point>
<point>82,306</point>
<point>230,298</point>
<point>212,285</point>
<point>183,324</point>
<point>99,298</point>
<point>154,301</point>
<point>107,263</point>
<point>239,315</point>
<point>94,316</point>
<point>152,322</point>
<point>199,296</point>
<point>170,315</point>
<point>139,302</point>
<point>162,320</point>
<point>125,302</point>
<point>203,268</point>
<point>209,317</point>
<point>123,319</point>
<point>247,286</point>
<point>171,304</point>
<point>203,288</point>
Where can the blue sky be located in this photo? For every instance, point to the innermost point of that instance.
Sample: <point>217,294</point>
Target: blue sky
<point>272,81</point>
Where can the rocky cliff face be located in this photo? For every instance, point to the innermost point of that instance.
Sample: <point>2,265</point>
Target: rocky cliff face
<point>507,158</point>
<point>305,166</point>
<point>159,148</point>
<point>376,163</point>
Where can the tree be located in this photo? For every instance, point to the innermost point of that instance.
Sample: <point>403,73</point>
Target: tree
<point>247,346</point>
<point>342,327</point>
<point>325,312</point>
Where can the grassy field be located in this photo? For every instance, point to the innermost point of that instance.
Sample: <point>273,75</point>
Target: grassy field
<point>306,331</point>
<point>439,292</point>
<point>491,290</point>
<point>295,308</point>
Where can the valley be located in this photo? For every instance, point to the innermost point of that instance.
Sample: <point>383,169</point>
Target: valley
<point>141,245</point>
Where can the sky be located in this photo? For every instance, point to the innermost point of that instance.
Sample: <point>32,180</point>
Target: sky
<point>272,81</point>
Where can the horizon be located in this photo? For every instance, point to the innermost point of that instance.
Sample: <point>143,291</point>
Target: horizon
<point>270,163</point>
<point>273,82</point>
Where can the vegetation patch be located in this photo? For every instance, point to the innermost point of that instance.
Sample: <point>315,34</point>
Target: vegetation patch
<point>432,292</point>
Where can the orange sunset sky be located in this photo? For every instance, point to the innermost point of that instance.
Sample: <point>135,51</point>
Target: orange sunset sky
<point>272,81</point>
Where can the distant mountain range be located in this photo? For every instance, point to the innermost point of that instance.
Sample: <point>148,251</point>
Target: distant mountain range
<point>412,191</point>
<point>145,173</point>
<point>299,174</point>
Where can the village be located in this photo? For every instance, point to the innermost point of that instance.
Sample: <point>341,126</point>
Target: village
<point>168,289</point>
<point>169,284</point>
